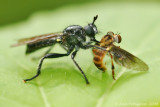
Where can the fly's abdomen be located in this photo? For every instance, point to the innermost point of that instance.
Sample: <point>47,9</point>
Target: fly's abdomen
<point>98,59</point>
<point>40,44</point>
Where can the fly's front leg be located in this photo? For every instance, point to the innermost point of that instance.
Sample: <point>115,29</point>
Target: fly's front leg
<point>112,66</point>
<point>51,55</point>
<point>93,46</point>
<point>73,56</point>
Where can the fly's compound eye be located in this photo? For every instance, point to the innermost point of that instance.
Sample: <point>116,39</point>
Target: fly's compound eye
<point>90,30</point>
<point>94,29</point>
<point>87,30</point>
<point>117,38</point>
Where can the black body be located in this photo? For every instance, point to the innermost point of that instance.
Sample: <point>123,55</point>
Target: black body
<point>72,38</point>
<point>31,47</point>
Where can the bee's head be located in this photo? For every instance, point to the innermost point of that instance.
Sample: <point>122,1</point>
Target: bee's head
<point>116,37</point>
<point>110,38</point>
<point>91,29</point>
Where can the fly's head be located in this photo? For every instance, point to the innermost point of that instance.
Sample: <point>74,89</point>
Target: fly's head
<point>91,29</point>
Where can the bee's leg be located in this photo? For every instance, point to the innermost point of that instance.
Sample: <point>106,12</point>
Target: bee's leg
<point>51,55</point>
<point>112,66</point>
<point>73,56</point>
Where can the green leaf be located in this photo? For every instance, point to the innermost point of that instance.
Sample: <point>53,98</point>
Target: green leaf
<point>60,83</point>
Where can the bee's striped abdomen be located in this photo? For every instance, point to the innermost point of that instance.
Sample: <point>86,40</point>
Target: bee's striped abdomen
<point>98,59</point>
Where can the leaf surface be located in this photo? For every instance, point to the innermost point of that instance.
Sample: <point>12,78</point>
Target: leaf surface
<point>60,83</point>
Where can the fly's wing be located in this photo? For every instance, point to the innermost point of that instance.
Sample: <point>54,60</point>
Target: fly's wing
<point>128,60</point>
<point>36,39</point>
<point>38,42</point>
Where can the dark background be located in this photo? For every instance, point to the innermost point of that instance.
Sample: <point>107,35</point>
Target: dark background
<point>16,10</point>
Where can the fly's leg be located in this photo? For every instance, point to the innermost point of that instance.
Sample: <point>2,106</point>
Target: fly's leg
<point>50,48</point>
<point>51,55</point>
<point>73,56</point>
<point>93,46</point>
<point>48,51</point>
<point>112,66</point>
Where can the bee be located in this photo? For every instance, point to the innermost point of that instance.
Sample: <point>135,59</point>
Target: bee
<point>120,56</point>
<point>72,39</point>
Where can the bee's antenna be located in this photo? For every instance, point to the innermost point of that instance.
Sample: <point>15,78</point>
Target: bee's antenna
<point>118,33</point>
<point>94,19</point>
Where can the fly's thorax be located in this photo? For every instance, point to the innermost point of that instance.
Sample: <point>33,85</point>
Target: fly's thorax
<point>74,33</point>
<point>74,36</point>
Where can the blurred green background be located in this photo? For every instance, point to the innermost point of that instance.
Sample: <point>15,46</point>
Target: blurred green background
<point>60,83</point>
<point>16,10</point>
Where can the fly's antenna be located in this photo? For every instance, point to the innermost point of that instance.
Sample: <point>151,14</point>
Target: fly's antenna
<point>94,19</point>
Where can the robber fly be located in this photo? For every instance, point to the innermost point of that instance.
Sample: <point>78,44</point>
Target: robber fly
<point>119,55</point>
<point>72,38</point>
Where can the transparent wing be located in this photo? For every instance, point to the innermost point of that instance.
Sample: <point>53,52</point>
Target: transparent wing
<point>37,39</point>
<point>128,60</point>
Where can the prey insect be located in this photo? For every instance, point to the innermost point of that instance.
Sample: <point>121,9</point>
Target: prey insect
<point>71,39</point>
<point>120,56</point>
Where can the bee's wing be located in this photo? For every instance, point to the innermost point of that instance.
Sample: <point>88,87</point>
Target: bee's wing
<point>37,39</point>
<point>128,60</point>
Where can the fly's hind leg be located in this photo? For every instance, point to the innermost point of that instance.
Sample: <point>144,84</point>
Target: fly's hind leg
<point>48,50</point>
<point>51,55</point>
<point>112,66</point>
